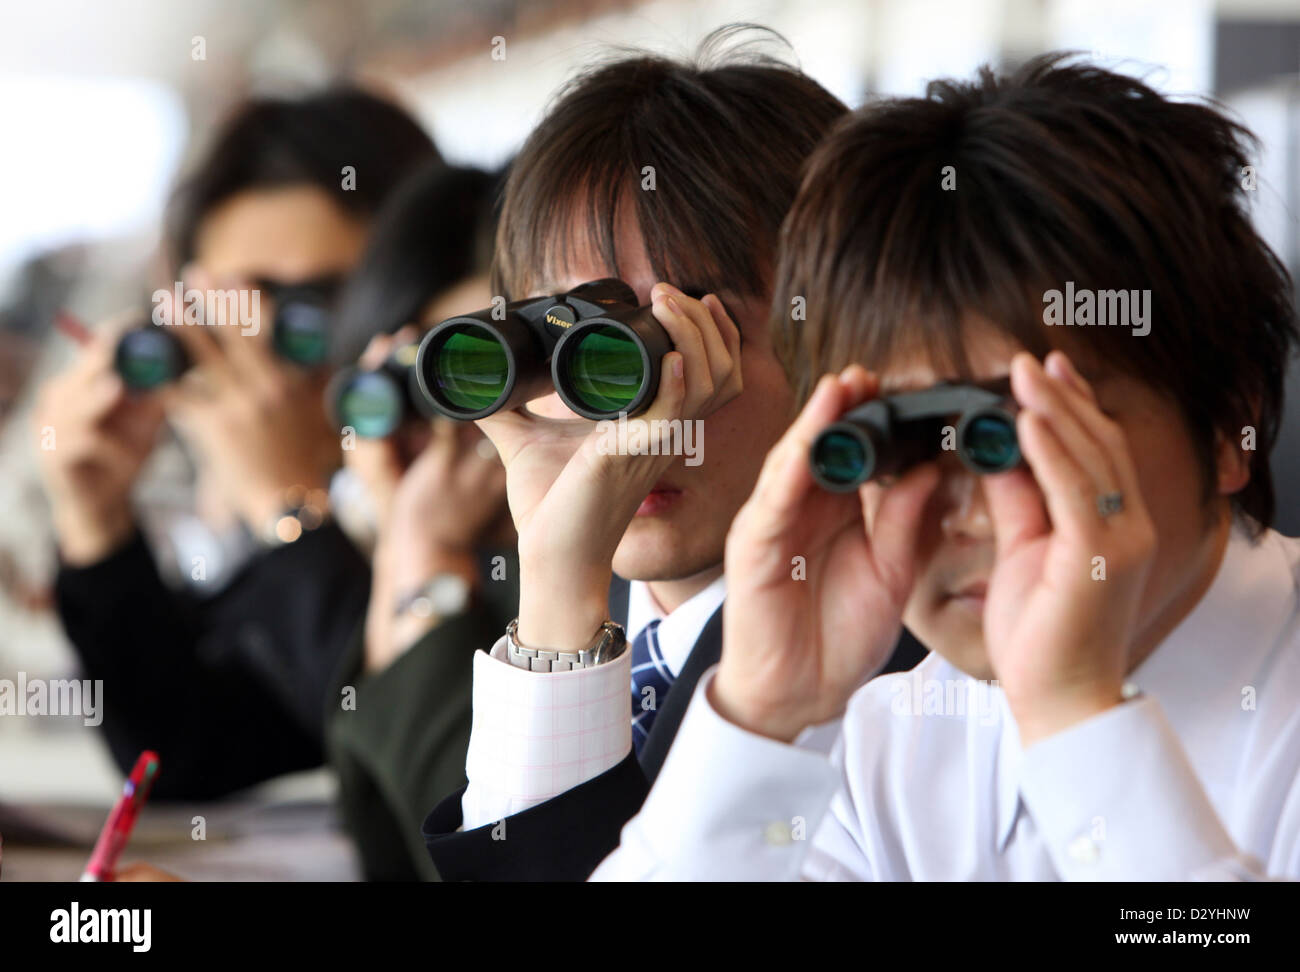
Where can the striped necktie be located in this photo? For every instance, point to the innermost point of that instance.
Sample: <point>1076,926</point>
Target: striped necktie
<point>651,680</point>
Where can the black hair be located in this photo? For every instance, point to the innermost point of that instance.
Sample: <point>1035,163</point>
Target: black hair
<point>726,133</point>
<point>436,230</point>
<point>285,141</point>
<point>981,198</point>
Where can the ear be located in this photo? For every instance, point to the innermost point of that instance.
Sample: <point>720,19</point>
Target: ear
<point>1232,460</point>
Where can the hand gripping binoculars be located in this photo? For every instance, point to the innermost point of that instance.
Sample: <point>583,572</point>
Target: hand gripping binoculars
<point>602,348</point>
<point>376,402</point>
<point>152,356</point>
<point>886,436</point>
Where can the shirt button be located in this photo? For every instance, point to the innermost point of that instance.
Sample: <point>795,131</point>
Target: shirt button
<point>1084,850</point>
<point>1129,690</point>
<point>777,833</point>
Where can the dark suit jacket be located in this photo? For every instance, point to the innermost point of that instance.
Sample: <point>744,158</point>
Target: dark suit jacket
<point>401,744</point>
<point>566,837</point>
<point>227,689</point>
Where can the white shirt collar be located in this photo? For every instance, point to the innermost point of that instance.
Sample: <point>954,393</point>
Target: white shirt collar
<point>679,630</point>
<point>1221,642</point>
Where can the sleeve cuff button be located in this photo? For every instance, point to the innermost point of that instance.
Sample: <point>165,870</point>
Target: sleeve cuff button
<point>777,833</point>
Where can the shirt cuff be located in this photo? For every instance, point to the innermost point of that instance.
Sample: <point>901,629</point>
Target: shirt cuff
<point>537,734</point>
<point>728,805</point>
<point>1116,799</point>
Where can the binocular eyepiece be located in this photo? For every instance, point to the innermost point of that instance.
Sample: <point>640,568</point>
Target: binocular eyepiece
<point>376,402</point>
<point>602,348</point>
<point>152,356</point>
<point>886,436</point>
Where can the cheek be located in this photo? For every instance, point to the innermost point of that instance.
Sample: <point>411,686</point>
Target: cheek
<point>741,432</point>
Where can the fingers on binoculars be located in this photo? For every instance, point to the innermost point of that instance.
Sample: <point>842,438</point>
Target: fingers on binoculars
<point>1079,395</point>
<point>95,358</point>
<point>1076,452</point>
<point>1015,503</point>
<point>709,347</point>
<point>785,478</point>
<point>204,352</point>
<point>895,516</point>
<point>101,394</point>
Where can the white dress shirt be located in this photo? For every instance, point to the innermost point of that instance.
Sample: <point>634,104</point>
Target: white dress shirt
<point>537,734</point>
<point>1196,777</point>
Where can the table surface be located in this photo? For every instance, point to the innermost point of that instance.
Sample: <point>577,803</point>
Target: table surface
<point>248,839</point>
<point>56,788</point>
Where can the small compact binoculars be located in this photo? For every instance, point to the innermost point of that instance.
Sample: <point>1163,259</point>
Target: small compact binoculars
<point>152,356</point>
<point>886,436</point>
<point>376,402</point>
<point>602,348</point>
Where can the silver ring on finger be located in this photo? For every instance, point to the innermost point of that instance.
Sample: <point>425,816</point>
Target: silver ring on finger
<point>1110,503</point>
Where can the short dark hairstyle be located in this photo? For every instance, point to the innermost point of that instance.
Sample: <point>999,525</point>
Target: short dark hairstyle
<point>727,135</point>
<point>1064,172</point>
<point>271,142</point>
<point>434,231</point>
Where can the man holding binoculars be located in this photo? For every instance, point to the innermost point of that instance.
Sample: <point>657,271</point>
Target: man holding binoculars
<point>575,708</point>
<point>225,676</point>
<point>1116,601</point>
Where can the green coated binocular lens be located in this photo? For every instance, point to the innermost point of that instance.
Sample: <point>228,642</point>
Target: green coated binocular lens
<point>301,332</point>
<point>375,402</point>
<point>989,442</point>
<point>841,458</point>
<point>371,403</point>
<point>886,436</point>
<point>593,346</point>
<point>471,368</point>
<point>152,356</point>
<point>149,358</point>
<point>605,369</point>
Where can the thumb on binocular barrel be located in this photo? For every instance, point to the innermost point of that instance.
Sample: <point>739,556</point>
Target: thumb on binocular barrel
<point>671,397</point>
<point>1016,507</point>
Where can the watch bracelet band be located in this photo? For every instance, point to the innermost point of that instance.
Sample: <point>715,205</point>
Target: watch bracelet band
<point>609,642</point>
<point>424,592</point>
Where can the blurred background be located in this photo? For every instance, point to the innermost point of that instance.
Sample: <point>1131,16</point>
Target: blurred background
<point>103,101</point>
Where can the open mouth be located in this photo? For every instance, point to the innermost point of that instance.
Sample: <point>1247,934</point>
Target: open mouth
<point>971,595</point>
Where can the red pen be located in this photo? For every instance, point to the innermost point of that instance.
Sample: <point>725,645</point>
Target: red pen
<point>121,819</point>
<point>72,327</point>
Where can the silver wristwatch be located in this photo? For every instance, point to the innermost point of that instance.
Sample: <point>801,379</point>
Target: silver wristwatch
<point>610,642</point>
<point>443,595</point>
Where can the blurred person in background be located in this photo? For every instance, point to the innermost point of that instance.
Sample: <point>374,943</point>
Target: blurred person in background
<point>225,681</point>
<point>444,569</point>
<point>398,719</point>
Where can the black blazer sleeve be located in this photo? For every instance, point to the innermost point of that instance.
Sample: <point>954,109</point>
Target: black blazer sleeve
<point>403,745</point>
<point>227,690</point>
<point>563,839</point>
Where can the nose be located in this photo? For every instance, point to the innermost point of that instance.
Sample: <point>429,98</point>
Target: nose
<point>965,514</point>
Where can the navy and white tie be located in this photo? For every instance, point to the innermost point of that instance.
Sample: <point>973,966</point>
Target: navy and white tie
<point>651,680</point>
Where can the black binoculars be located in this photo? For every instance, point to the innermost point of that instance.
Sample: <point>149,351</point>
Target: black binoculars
<point>152,356</point>
<point>603,350</point>
<point>376,402</point>
<point>886,436</point>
